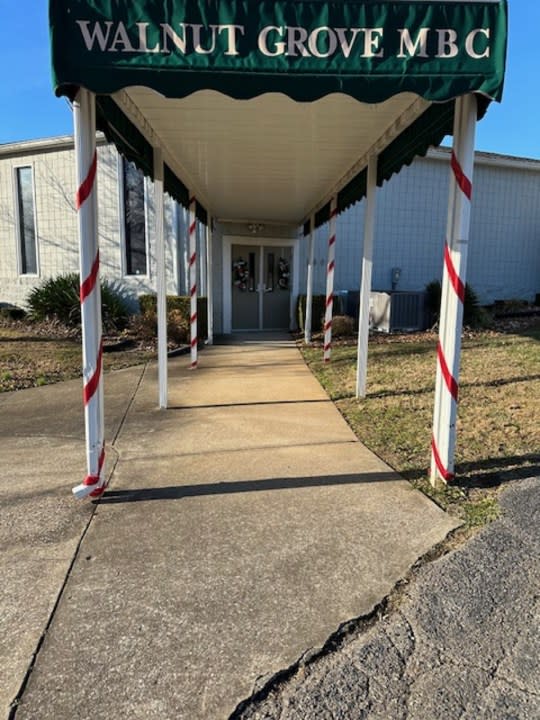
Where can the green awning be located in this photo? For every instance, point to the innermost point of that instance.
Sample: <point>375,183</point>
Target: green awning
<point>429,129</point>
<point>131,143</point>
<point>119,130</point>
<point>304,48</point>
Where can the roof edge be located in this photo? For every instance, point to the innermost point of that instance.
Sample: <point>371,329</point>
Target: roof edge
<point>42,145</point>
<point>482,157</point>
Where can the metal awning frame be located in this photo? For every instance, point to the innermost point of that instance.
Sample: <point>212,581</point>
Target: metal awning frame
<point>449,346</point>
<point>315,126</point>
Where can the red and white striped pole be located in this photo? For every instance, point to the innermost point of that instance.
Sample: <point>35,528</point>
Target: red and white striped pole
<point>84,116</point>
<point>330,268</point>
<point>193,279</point>
<point>453,292</point>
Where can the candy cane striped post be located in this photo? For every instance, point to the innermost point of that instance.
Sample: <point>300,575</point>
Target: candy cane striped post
<point>90,292</point>
<point>330,269</point>
<point>453,293</point>
<point>365,285</point>
<point>309,284</point>
<point>193,278</point>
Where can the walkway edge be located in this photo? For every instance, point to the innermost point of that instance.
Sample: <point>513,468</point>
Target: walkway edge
<point>349,630</point>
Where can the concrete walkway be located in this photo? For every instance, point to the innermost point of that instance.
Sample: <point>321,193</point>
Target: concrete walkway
<point>242,527</point>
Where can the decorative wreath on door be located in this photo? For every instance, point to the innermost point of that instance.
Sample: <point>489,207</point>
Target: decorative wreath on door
<point>283,273</point>
<point>240,274</point>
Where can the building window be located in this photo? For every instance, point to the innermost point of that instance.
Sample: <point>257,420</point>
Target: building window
<point>134,219</point>
<point>26,220</point>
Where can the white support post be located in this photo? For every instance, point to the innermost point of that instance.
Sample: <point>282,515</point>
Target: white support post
<point>193,279</point>
<point>209,281</point>
<point>330,270</point>
<point>84,117</point>
<point>365,287</point>
<point>177,245</point>
<point>160,277</point>
<point>453,292</point>
<point>308,322</point>
<point>202,260</point>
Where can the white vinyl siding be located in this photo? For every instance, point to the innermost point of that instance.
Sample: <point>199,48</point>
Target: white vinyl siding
<point>504,247</point>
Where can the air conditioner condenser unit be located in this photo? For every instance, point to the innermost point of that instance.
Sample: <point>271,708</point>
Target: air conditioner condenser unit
<point>397,311</point>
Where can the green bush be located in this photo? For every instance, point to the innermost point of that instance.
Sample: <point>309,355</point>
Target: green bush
<point>317,312</point>
<point>59,299</point>
<point>178,314</point>
<point>114,308</point>
<point>473,314</point>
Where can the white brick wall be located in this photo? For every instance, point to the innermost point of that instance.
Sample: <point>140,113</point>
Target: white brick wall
<point>55,221</point>
<point>57,233</point>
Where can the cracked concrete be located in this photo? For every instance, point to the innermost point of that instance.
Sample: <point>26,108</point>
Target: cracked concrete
<point>463,642</point>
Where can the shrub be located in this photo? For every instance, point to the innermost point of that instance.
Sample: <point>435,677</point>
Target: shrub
<point>433,300</point>
<point>343,326</point>
<point>178,314</point>
<point>473,314</point>
<point>178,327</point>
<point>148,303</point>
<point>143,326</point>
<point>114,309</point>
<point>317,312</point>
<point>11,312</point>
<point>58,298</point>
<point>512,306</point>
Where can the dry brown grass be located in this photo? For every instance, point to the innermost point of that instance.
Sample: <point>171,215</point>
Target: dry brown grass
<point>39,354</point>
<point>498,432</point>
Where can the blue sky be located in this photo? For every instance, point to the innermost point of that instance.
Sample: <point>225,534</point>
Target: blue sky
<point>29,108</point>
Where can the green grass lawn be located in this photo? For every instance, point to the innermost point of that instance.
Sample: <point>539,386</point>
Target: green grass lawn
<point>498,431</point>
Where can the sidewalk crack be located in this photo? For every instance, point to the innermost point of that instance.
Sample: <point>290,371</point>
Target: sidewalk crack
<point>15,703</point>
<point>128,406</point>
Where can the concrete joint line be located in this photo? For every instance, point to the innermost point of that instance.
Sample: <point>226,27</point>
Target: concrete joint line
<point>14,705</point>
<point>128,407</point>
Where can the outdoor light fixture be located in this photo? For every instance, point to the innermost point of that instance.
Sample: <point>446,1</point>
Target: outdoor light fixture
<point>255,228</point>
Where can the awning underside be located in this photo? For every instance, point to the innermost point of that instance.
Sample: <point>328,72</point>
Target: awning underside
<point>264,110</point>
